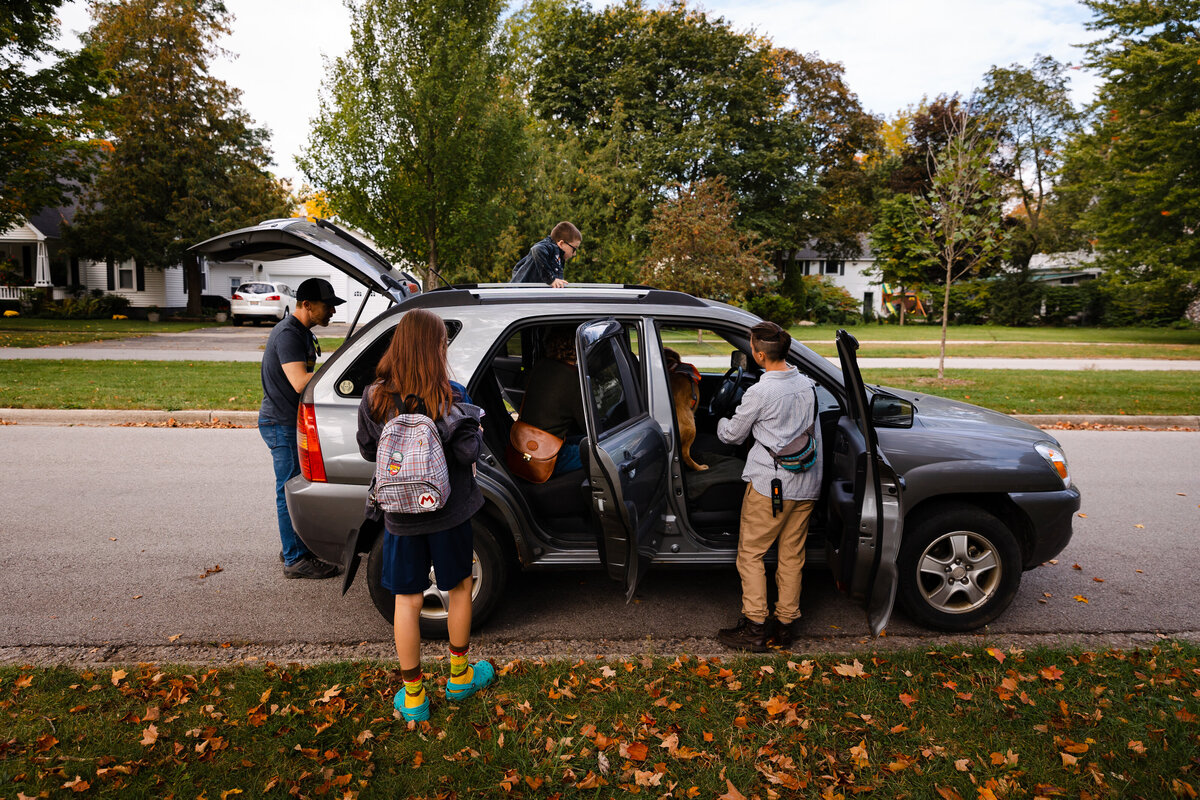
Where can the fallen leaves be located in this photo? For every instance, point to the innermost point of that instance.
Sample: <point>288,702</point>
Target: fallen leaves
<point>854,670</point>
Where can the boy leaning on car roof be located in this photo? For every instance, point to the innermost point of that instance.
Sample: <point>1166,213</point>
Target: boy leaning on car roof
<point>777,411</point>
<point>287,366</point>
<point>546,261</point>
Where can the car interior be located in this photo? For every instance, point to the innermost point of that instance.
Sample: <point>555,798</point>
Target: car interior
<point>562,505</point>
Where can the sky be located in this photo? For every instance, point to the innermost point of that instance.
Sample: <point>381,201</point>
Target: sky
<point>894,51</point>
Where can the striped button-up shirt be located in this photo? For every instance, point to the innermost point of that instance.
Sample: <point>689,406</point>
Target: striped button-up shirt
<point>776,410</point>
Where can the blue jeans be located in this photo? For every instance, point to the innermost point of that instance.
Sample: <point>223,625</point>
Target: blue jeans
<point>286,460</point>
<point>568,456</point>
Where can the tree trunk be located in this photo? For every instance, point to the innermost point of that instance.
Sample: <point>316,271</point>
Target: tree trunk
<point>903,306</point>
<point>431,279</point>
<point>945,320</point>
<point>191,276</point>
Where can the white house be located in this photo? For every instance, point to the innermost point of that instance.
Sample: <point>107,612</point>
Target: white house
<point>854,275</point>
<point>33,249</point>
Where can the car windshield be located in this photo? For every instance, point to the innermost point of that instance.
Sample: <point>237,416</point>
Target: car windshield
<point>256,288</point>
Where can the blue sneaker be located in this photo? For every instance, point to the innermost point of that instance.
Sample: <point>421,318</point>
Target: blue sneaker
<point>416,713</point>
<point>483,674</point>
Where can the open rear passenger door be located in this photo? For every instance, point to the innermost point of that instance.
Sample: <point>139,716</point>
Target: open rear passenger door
<point>867,495</point>
<point>627,452</point>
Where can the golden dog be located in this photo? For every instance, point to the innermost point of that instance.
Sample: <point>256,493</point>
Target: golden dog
<point>685,392</point>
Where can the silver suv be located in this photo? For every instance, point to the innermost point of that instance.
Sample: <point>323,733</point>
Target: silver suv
<point>940,502</point>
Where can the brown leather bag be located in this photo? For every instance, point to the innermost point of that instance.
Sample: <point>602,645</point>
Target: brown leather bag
<point>531,452</point>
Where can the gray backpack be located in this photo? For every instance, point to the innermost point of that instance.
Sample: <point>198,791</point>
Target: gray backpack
<point>411,475</point>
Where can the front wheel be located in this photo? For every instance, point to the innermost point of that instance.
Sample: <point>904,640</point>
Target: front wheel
<point>959,569</point>
<point>489,570</point>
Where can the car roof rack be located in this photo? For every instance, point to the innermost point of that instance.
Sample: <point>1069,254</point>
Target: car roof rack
<point>483,293</point>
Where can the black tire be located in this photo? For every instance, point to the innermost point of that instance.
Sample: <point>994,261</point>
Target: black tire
<point>491,576</point>
<point>960,568</point>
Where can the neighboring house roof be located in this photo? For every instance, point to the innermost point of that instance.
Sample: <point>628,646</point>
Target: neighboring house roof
<point>23,231</point>
<point>810,253</point>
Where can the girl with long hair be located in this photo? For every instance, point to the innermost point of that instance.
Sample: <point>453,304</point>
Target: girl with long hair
<point>413,376</point>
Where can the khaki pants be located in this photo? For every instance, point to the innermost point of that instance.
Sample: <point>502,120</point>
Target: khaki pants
<point>759,530</point>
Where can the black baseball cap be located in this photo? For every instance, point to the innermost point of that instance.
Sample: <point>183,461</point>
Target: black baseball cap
<point>318,289</point>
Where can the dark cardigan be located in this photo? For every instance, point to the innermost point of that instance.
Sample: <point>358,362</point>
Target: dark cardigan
<point>462,439</point>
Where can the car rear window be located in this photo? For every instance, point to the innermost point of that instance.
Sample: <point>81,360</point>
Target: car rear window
<point>256,288</point>
<point>361,373</point>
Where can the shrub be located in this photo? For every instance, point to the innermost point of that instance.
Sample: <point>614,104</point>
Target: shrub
<point>970,302</point>
<point>213,303</point>
<point>773,308</point>
<point>93,305</point>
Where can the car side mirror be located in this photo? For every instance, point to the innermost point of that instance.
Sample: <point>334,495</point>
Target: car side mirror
<point>891,412</point>
<point>738,359</point>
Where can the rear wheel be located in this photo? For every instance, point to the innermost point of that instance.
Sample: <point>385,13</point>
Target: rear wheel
<point>960,568</point>
<point>489,569</point>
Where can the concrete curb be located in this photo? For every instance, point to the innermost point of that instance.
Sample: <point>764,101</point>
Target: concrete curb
<point>104,417</point>
<point>249,419</point>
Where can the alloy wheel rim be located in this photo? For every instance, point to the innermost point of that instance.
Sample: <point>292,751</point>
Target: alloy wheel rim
<point>437,603</point>
<point>959,572</point>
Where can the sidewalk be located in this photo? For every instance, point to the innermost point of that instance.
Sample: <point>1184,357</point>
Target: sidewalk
<point>98,417</point>
<point>239,351</point>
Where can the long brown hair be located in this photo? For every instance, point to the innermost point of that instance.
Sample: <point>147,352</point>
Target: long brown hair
<point>414,363</point>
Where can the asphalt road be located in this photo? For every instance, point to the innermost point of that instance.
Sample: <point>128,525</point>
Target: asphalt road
<point>107,534</point>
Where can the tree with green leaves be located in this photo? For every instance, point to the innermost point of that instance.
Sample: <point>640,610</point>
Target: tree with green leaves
<point>420,138</point>
<point>1034,118</point>
<point>903,259</point>
<point>648,99</point>
<point>960,217</point>
<point>185,162</point>
<point>47,122</point>
<point>1135,175</point>
<point>695,248</point>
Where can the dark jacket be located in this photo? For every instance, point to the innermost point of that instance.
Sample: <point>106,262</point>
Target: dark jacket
<point>543,264</point>
<point>553,401</point>
<point>462,440</point>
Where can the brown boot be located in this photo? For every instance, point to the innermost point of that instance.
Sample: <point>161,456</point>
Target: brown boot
<point>785,633</point>
<point>745,635</point>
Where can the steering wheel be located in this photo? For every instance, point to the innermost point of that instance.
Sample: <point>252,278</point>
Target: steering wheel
<point>725,399</point>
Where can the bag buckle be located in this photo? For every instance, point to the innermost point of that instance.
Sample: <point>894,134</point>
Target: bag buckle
<point>527,457</point>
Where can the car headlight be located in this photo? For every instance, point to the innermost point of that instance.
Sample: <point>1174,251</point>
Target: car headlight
<point>1055,458</point>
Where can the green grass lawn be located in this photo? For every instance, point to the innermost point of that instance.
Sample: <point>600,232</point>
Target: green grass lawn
<point>228,385</point>
<point>29,332</point>
<point>1055,391</point>
<point>944,722</point>
<point>997,333</point>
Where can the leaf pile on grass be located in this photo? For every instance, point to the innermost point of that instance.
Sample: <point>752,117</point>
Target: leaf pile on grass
<point>945,723</point>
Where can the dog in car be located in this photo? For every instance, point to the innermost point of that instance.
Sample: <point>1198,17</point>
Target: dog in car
<point>685,393</point>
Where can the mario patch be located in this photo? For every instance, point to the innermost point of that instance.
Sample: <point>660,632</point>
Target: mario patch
<point>427,501</point>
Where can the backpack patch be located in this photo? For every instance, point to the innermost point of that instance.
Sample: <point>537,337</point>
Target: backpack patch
<point>411,475</point>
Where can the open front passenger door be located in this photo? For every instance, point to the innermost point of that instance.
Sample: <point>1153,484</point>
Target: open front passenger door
<point>627,452</point>
<point>866,496</point>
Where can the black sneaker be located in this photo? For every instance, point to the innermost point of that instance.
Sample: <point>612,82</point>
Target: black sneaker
<point>311,567</point>
<point>745,635</point>
<point>785,633</point>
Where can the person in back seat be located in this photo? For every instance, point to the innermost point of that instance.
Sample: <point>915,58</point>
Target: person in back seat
<point>553,401</point>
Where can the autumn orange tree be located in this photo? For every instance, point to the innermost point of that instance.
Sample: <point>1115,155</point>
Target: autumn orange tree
<point>695,248</point>
<point>186,163</point>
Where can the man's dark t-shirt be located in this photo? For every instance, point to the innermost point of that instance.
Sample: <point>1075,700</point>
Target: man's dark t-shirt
<point>290,341</point>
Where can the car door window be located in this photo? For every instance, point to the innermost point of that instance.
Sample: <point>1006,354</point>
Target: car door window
<point>609,395</point>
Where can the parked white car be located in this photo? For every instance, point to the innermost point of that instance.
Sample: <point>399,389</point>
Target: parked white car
<point>259,300</point>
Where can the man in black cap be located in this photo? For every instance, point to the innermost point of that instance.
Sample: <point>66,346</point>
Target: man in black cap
<point>287,367</point>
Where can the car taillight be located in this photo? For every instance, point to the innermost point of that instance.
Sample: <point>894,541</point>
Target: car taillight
<point>413,288</point>
<point>273,297</point>
<point>237,296</point>
<point>312,466</point>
